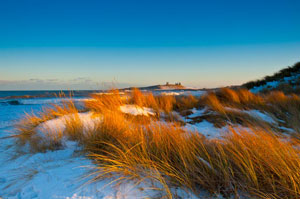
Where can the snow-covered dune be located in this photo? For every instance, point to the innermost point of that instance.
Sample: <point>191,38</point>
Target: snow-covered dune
<point>61,173</point>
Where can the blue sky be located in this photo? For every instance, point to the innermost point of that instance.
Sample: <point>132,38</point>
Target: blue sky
<point>90,44</point>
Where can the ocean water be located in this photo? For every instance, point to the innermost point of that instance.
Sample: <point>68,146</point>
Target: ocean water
<point>19,99</point>
<point>42,93</point>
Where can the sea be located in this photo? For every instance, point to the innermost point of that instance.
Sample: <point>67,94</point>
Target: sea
<point>43,93</point>
<point>16,98</point>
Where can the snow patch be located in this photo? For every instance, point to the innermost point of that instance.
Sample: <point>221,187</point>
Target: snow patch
<point>263,116</point>
<point>255,113</point>
<point>57,126</point>
<point>136,110</point>
<point>207,129</point>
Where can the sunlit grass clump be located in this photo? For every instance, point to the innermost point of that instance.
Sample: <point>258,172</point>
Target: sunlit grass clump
<point>26,129</point>
<point>255,162</point>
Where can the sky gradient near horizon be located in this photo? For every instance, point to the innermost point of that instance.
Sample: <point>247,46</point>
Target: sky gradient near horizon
<point>97,44</point>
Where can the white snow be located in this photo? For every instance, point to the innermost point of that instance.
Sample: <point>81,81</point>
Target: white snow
<point>274,84</point>
<point>255,113</point>
<point>195,113</point>
<point>58,174</point>
<point>136,110</point>
<point>57,126</point>
<point>263,116</point>
<point>207,129</point>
